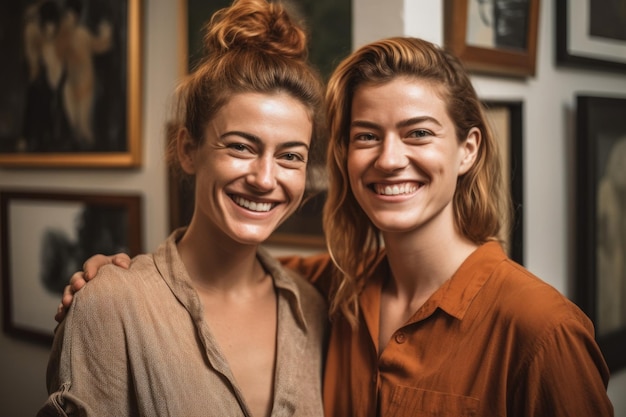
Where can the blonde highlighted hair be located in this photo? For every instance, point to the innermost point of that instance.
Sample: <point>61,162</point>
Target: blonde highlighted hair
<point>353,240</point>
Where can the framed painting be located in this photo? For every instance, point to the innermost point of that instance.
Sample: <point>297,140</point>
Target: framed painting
<point>329,25</point>
<point>506,120</point>
<point>601,220</point>
<point>493,37</point>
<point>591,34</point>
<point>44,238</point>
<point>70,79</point>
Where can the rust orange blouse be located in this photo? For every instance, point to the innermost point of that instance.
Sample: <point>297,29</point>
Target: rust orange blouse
<point>493,341</point>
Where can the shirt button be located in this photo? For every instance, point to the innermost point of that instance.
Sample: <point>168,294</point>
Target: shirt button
<point>400,337</point>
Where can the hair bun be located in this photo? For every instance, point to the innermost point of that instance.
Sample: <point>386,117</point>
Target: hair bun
<point>255,24</point>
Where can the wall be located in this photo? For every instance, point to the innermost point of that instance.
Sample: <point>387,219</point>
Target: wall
<point>548,138</point>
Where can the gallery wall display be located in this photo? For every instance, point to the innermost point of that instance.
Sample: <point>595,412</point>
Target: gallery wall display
<point>601,220</point>
<point>45,237</point>
<point>329,24</point>
<point>591,34</point>
<point>70,78</point>
<point>506,120</point>
<point>493,37</point>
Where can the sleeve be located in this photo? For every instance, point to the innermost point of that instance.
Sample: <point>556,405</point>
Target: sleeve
<point>87,371</point>
<point>566,375</point>
<point>317,269</point>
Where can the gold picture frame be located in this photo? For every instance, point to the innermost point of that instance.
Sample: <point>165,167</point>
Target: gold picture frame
<point>99,130</point>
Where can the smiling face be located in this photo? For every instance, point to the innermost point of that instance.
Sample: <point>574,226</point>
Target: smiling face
<point>404,157</point>
<point>250,169</point>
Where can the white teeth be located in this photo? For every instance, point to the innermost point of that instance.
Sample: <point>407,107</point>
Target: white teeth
<point>396,189</point>
<point>251,205</point>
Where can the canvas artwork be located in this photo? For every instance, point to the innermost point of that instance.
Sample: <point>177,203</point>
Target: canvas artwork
<point>67,79</point>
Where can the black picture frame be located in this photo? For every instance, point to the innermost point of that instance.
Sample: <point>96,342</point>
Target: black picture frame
<point>71,98</point>
<point>601,220</point>
<point>506,118</point>
<point>46,236</point>
<point>511,52</point>
<point>576,47</point>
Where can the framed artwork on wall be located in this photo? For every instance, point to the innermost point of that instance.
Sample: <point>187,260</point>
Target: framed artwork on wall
<point>329,24</point>
<point>591,34</point>
<point>70,79</point>
<point>493,37</point>
<point>601,220</point>
<point>44,238</point>
<point>506,120</point>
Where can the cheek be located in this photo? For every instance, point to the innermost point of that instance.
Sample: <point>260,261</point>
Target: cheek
<point>295,182</point>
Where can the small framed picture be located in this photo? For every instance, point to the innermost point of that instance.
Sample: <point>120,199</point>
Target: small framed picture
<point>45,238</point>
<point>493,37</point>
<point>591,34</point>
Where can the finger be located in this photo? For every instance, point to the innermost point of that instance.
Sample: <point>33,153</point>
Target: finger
<point>68,295</point>
<point>77,281</point>
<point>91,265</point>
<point>60,315</point>
<point>121,259</point>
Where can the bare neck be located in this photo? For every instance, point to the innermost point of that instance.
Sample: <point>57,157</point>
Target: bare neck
<point>219,264</point>
<point>421,261</point>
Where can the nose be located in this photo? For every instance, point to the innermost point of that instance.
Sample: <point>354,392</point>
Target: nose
<point>263,174</point>
<point>392,154</point>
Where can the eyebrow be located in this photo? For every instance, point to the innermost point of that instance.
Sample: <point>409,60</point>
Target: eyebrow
<point>257,140</point>
<point>402,123</point>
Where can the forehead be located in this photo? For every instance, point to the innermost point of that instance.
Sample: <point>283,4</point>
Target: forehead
<point>400,97</point>
<point>265,115</point>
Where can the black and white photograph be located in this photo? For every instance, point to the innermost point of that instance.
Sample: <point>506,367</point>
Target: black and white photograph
<point>45,238</point>
<point>66,79</point>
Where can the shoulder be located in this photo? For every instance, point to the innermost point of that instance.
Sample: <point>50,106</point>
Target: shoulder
<point>114,285</point>
<point>533,308</point>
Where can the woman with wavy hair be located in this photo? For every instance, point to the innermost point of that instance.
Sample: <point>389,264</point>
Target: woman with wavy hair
<point>210,323</point>
<point>429,315</point>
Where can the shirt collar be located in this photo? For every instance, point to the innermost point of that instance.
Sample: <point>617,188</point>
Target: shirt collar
<point>284,282</point>
<point>457,294</point>
<point>454,296</point>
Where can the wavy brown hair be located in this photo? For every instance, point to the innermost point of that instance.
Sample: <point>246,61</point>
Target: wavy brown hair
<point>353,240</point>
<point>251,46</point>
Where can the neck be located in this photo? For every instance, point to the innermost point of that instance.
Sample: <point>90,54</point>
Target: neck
<point>217,263</point>
<point>422,260</point>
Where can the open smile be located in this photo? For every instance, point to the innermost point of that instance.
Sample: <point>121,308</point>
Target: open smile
<point>395,189</point>
<point>257,206</point>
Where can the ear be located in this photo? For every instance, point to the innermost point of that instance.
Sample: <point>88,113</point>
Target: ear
<point>186,149</point>
<point>469,150</point>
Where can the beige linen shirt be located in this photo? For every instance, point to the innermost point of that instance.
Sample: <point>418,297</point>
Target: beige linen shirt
<point>135,343</point>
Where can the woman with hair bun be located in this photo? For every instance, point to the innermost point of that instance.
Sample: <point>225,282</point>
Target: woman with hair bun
<point>210,323</point>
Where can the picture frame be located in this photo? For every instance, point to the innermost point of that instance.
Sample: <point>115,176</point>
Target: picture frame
<point>65,106</point>
<point>506,121</point>
<point>45,237</point>
<point>601,220</point>
<point>329,23</point>
<point>591,35</point>
<point>495,38</point>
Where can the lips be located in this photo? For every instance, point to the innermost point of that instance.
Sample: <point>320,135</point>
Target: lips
<point>252,205</point>
<point>395,189</point>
